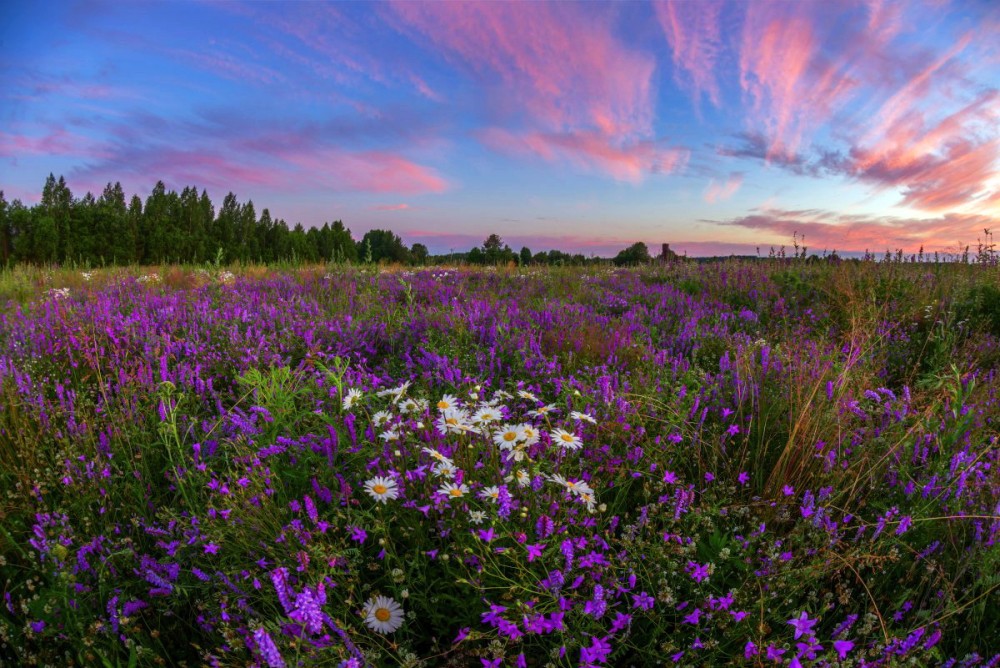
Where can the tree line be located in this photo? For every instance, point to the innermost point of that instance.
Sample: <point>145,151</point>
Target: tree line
<point>171,227</point>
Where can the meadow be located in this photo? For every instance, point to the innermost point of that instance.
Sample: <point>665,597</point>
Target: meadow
<point>729,463</point>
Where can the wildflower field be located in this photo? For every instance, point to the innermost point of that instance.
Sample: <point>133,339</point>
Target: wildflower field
<point>731,463</point>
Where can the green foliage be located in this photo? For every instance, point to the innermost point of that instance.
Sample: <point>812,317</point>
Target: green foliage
<point>168,227</point>
<point>635,254</point>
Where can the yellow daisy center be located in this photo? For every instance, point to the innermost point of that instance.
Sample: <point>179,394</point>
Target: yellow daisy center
<point>443,405</point>
<point>567,437</point>
<point>451,420</point>
<point>510,436</point>
<point>380,488</point>
<point>455,492</point>
<point>382,614</point>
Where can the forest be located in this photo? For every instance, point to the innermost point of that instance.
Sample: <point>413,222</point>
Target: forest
<point>186,228</point>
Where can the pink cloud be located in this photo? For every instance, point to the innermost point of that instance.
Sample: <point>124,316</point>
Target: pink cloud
<point>56,142</point>
<point>718,192</point>
<point>391,207</point>
<point>563,86</point>
<point>844,232</point>
<point>791,86</point>
<point>365,171</point>
<point>592,150</point>
<point>561,64</point>
<point>693,31</point>
<point>296,169</point>
<point>939,162</point>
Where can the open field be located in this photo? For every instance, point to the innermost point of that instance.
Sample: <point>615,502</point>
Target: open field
<point>744,463</point>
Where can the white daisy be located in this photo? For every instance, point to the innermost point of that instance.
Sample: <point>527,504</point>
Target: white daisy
<point>565,439</point>
<point>447,402</point>
<point>437,456</point>
<point>382,614</point>
<point>517,453</point>
<point>590,500</point>
<point>491,493</point>
<point>444,470</point>
<point>381,418</point>
<point>453,421</point>
<point>531,435</point>
<point>577,415</point>
<point>501,394</point>
<point>477,516</point>
<point>579,487</point>
<point>353,395</point>
<point>396,392</point>
<point>382,488</point>
<point>522,477</point>
<point>411,405</point>
<point>453,491</point>
<point>389,435</point>
<point>486,415</point>
<point>558,479</point>
<point>508,436</point>
<point>524,394</point>
<point>543,411</point>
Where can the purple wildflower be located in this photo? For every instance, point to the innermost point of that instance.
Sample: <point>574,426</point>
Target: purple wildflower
<point>842,648</point>
<point>267,649</point>
<point>803,625</point>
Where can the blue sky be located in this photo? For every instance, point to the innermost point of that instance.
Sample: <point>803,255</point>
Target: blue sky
<point>715,126</point>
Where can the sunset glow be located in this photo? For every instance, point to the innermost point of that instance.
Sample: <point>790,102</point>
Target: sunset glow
<point>718,127</point>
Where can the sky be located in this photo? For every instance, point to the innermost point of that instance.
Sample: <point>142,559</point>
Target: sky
<point>716,126</point>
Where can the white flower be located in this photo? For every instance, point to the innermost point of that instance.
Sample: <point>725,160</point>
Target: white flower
<point>389,435</point>
<point>477,516</point>
<point>437,456</point>
<point>577,415</point>
<point>444,470</point>
<point>523,477</point>
<point>507,436</point>
<point>565,439</point>
<point>579,487</point>
<point>453,491</point>
<point>447,402</point>
<point>396,392</point>
<point>485,415</point>
<point>524,394</point>
<point>415,406</point>
<point>381,418</point>
<point>382,488</point>
<point>558,479</point>
<point>382,614</point>
<point>531,435</point>
<point>454,421</point>
<point>353,395</point>
<point>491,493</point>
<point>543,411</point>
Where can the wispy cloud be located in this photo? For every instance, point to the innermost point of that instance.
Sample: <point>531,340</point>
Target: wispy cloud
<point>720,191</point>
<point>590,150</point>
<point>846,232</point>
<point>693,30</point>
<point>56,142</point>
<point>562,86</point>
<point>391,207</point>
